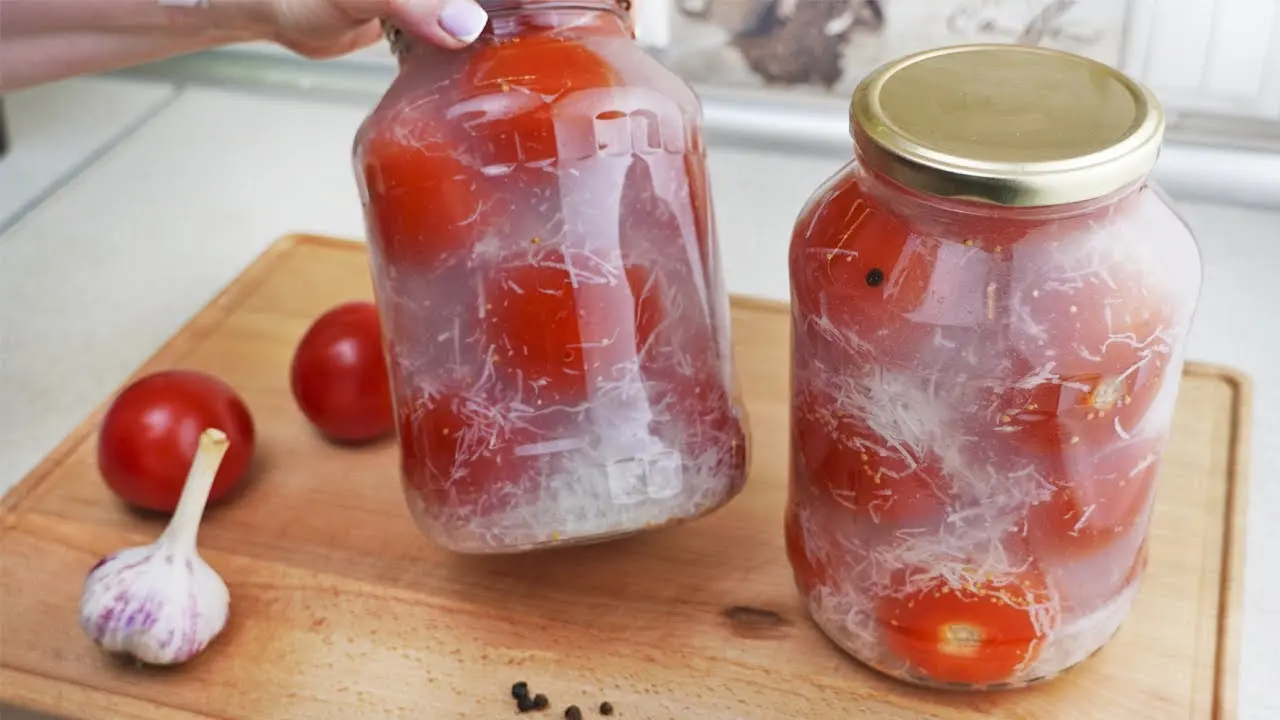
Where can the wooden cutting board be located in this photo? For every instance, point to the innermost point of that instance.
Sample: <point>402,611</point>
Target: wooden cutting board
<point>341,610</point>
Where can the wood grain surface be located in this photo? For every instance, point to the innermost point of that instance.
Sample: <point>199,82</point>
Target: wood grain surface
<point>341,610</point>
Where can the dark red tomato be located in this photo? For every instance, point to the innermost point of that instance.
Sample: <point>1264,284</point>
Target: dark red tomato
<point>150,433</point>
<point>461,455</point>
<point>863,473</point>
<point>563,333</point>
<point>426,202</point>
<point>339,375</point>
<point>1098,497</point>
<point>978,633</point>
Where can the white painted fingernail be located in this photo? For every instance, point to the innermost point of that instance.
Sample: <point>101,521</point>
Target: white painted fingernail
<point>463,19</point>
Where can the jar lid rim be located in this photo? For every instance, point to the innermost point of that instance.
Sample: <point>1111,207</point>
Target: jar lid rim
<point>398,38</point>
<point>1008,124</point>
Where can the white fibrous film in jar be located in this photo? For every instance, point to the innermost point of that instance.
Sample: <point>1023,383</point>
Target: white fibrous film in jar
<point>987,423</point>
<point>559,373</point>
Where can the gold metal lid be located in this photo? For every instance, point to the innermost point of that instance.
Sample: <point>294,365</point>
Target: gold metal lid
<point>1006,124</point>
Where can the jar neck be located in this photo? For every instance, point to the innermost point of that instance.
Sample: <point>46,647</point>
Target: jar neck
<point>509,19</point>
<point>908,201</point>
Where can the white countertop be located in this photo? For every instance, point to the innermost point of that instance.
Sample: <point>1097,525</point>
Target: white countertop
<point>58,130</point>
<point>101,272</point>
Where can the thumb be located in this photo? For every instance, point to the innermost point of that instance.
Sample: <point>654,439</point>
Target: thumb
<point>447,23</point>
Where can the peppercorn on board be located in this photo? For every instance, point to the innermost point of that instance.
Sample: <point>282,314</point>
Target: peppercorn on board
<point>341,609</point>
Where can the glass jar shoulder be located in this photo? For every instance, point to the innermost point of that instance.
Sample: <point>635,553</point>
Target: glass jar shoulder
<point>996,294</point>
<point>532,100</point>
<point>855,227</point>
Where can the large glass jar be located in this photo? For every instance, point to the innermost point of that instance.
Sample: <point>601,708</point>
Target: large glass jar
<point>989,310</point>
<point>545,264</point>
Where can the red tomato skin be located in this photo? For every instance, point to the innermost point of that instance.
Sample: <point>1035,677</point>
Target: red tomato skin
<point>1099,497</point>
<point>456,465</point>
<point>149,435</point>
<point>993,619</point>
<point>878,485</point>
<point>339,375</point>
<point>864,283</point>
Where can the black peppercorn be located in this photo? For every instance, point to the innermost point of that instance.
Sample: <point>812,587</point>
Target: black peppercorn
<point>875,276</point>
<point>519,690</point>
<point>606,708</point>
<point>524,704</point>
<point>572,713</point>
<point>540,702</point>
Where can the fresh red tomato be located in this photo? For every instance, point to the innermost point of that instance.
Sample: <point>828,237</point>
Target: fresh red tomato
<point>339,375</point>
<point>977,633</point>
<point>1098,497</point>
<point>151,430</point>
<point>864,473</point>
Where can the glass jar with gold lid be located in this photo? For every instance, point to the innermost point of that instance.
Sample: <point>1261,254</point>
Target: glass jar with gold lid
<point>989,304</point>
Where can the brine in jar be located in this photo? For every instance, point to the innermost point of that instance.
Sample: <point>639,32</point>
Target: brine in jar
<point>990,304</point>
<point>545,265</point>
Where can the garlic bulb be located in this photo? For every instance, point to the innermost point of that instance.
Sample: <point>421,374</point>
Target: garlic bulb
<point>161,603</point>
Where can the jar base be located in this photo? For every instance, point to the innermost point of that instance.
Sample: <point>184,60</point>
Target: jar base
<point>501,536</point>
<point>1069,646</point>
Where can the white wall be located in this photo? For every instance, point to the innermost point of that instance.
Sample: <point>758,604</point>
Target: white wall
<point>1217,57</point>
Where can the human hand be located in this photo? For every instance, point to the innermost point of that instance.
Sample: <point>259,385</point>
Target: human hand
<point>329,28</point>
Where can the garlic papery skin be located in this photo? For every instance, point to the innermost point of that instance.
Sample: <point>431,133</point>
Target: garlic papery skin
<point>161,603</point>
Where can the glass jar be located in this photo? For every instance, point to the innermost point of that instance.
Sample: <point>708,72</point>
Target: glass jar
<point>545,265</point>
<point>989,305</point>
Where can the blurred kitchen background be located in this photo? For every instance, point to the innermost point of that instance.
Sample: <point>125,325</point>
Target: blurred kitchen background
<point>1203,57</point>
<point>127,201</point>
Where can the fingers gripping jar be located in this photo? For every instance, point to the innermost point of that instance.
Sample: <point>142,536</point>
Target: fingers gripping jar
<point>545,265</point>
<point>989,310</point>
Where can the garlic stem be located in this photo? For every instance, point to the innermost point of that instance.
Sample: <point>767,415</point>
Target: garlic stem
<point>184,526</point>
